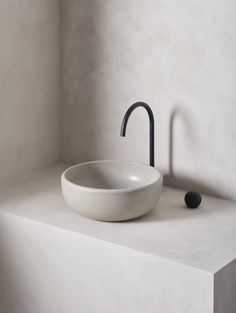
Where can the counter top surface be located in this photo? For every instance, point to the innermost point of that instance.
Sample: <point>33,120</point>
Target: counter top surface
<point>204,238</point>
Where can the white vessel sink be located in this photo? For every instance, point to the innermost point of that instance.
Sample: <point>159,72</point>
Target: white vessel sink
<point>111,190</point>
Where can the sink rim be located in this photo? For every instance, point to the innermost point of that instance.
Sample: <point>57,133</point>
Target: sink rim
<point>65,180</point>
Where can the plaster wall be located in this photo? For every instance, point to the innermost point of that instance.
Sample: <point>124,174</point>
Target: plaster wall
<point>179,57</point>
<point>30,86</point>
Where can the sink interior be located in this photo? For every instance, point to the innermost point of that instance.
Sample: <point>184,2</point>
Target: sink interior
<point>112,175</point>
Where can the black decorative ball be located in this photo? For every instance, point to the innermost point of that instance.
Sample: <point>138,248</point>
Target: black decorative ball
<point>192,199</point>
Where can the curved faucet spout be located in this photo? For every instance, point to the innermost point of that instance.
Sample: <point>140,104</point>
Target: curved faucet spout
<point>151,126</point>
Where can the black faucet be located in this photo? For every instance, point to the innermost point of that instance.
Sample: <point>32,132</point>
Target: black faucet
<point>151,127</point>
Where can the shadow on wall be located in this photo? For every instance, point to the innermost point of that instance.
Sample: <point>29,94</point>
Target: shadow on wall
<point>180,181</point>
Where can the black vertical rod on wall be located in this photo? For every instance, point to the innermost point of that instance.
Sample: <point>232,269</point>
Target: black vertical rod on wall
<point>151,127</point>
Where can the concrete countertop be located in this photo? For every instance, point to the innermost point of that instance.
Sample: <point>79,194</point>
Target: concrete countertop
<point>204,238</point>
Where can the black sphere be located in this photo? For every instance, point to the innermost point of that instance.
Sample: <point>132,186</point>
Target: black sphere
<point>192,199</point>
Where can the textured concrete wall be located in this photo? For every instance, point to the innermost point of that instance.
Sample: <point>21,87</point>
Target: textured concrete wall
<point>30,85</point>
<point>178,56</point>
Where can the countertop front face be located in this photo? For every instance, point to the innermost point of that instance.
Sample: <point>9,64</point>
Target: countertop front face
<point>203,238</point>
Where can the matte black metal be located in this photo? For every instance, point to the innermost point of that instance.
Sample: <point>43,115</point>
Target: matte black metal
<point>192,199</point>
<point>151,127</point>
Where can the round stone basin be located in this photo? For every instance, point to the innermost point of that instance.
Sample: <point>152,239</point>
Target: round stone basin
<point>111,190</point>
